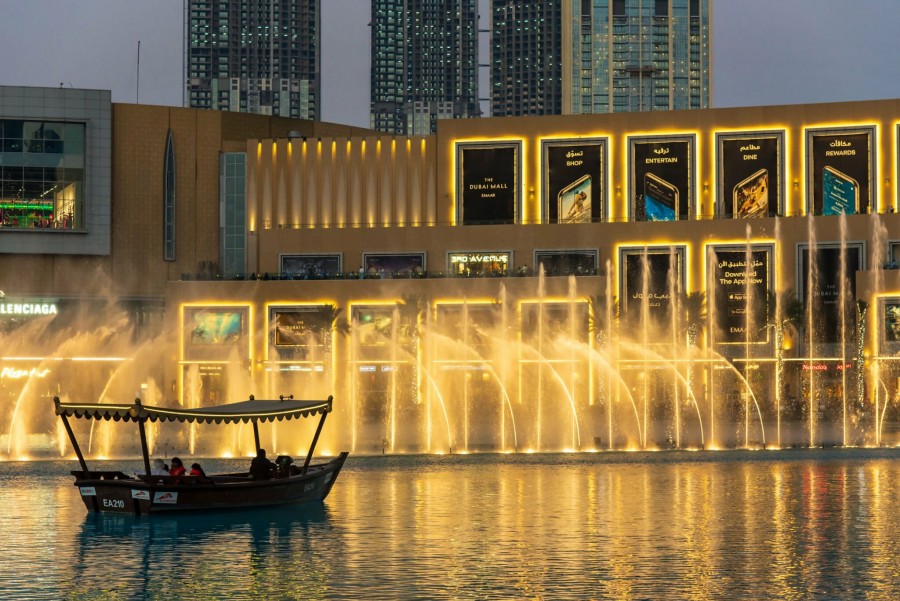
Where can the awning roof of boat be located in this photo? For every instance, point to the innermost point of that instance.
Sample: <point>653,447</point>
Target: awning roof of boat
<point>243,411</point>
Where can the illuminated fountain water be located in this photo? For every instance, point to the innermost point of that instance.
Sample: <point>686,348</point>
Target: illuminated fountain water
<point>557,364</point>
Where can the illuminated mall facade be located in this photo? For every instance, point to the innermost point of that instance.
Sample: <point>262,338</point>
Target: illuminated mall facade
<point>720,277</point>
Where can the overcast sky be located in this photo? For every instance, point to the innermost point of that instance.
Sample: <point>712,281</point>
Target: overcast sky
<point>764,51</point>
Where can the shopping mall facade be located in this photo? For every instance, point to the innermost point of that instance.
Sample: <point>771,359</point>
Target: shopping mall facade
<point>700,278</point>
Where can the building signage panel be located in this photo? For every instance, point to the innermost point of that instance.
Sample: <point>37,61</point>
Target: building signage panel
<point>740,285</point>
<point>399,265</point>
<point>487,191</point>
<point>479,263</point>
<point>750,174</point>
<point>297,326</point>
<point>834,270</point>
<point>651,277</point>
<point>311,266</point>
<point>574,180</point>
<point>661,176</point>
<point>840,171</point>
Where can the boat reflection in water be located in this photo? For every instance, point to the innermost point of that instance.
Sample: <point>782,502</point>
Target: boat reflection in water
<point>250,553</point>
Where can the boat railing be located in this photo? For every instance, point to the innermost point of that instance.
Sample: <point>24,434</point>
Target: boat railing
<point>101,475</point>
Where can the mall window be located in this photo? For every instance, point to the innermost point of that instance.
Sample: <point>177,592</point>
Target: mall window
<point>41,174</point>
<point>169,201</point>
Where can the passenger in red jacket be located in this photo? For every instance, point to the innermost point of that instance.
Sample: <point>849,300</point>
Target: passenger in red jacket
<point>177,467</point>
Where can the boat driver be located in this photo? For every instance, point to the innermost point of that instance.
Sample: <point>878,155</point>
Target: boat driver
<point>261,468</point>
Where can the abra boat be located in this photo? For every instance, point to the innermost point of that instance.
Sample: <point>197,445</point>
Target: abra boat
<point>117,492</point>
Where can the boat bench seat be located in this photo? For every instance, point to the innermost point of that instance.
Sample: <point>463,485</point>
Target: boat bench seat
<point>168,480</point>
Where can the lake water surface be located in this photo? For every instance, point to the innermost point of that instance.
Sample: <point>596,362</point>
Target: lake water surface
<point>800,524</point>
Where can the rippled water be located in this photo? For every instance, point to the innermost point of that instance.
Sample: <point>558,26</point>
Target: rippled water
<point>725,525</point>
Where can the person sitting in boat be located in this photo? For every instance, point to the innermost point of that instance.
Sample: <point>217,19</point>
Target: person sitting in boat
<point>196,470</point>
<point>261,468</point>
<point>177,468</point>
<point>159,468</point>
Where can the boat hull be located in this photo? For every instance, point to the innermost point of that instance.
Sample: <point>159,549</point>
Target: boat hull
<point>115,492</point>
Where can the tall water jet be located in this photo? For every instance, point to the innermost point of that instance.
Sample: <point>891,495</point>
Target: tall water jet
<point>812,292</point>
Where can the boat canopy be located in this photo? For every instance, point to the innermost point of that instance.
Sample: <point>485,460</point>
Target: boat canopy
<point>251,410</point>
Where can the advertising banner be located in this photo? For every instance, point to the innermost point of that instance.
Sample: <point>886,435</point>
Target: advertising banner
<point>750,175</point>
<point>297,326</point>
<point>487,191</point>
<point>650,276</point>
<point>661,178</point>
<point>825,291</point>
<point>574,181</point>
<point>311,266</point>
<point>740,281</point>
<point>215,327</point>
<point>841,171</point>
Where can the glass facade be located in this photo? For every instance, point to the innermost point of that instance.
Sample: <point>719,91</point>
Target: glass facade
<point>41,174</point>
<point>599,56</point>
<point>424,64</point>
<point>254,56</point>
<point>233,213</point>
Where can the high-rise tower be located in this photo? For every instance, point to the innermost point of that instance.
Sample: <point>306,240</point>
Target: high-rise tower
<point>424,63</point>
<point>254,56</point>
<point>599,56</point>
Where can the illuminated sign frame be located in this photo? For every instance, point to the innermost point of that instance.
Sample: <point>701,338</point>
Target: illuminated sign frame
<point>812,168</point>
<point>769,249</point>
<point>574,162</point>
<point>678,250</point>
<point>854,245</point>
<point>516,180</point>
<point>885,343</point>
<point>690,183</point>
<point>498,256</point>
<point>778,182</point>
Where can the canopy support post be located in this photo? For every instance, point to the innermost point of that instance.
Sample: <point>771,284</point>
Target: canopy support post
<point>144,449</point>
<point>256,435</point>
<point>71,434</point>
<point>312,446</point>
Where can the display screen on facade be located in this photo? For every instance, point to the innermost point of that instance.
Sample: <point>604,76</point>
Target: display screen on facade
<point>649,278</point>
<point>402,265</point>
<point>311,266</point>
<point>834,269</point>
<point>479,264</point>
<point>297,326</point>
<point>566,262</point>
<point>741,282</point>
<point>661,178</point>
<point>215,327</point>
<point>574,181</point>
<point>891,320</point>
<point>750,174</point>
<point>841,171</point>
<point>487,191</point>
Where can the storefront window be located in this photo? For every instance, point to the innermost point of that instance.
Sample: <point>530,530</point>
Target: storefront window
<point>474,265</point>
<point>41,174</point>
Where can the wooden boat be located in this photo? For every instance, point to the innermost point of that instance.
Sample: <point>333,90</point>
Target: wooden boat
<point>117,492</point>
